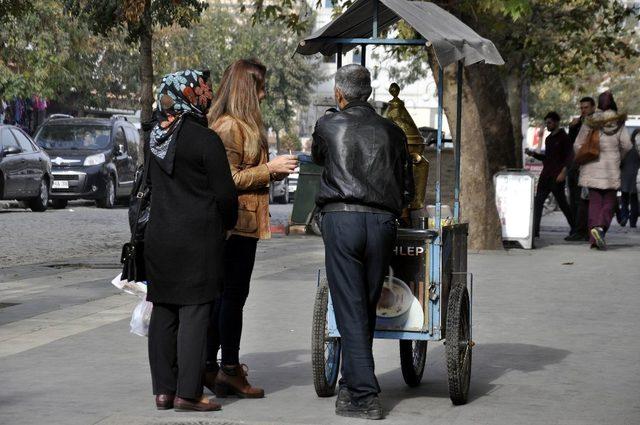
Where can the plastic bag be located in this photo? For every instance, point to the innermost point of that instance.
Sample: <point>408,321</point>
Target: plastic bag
<point>140,318</point>
<point>138,289</point>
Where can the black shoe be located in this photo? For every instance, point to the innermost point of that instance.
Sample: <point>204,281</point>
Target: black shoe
<point>623,222</point>
<point>344,398</point>
<point>369,408</point>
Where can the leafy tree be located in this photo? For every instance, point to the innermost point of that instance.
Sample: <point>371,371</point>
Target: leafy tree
<point>289,78</point>
<point>538,39</point>
<point>63,60</point>
<point>139,18</point>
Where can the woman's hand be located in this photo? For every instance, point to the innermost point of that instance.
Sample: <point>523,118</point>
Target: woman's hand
<point>283,164</point>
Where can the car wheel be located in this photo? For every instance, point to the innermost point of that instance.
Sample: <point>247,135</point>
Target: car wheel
<point>109,199</point>
<point>39,203</point>
<point>59,204</point>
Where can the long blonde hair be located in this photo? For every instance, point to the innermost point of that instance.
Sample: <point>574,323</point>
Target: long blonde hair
<point>237,97</point>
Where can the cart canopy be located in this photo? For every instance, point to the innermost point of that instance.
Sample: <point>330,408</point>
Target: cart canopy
<point>452,40</point>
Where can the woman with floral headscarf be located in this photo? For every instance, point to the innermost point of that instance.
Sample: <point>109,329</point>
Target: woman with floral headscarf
<point>193,204</point>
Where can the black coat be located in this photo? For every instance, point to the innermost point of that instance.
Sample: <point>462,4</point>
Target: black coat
<point>190,212</point>
<point>365,159</point>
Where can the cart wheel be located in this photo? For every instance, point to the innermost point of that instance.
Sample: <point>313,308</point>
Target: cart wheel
<point>325,351</point>
<point>413,355</point>
<point>458,345</point>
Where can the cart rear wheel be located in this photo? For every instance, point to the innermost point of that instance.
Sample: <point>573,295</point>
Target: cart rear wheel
<point>325,351</point>
<point>413,355</point>
<point>458,345</point>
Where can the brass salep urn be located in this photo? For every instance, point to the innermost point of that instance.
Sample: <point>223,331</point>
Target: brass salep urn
<point>397,113</point>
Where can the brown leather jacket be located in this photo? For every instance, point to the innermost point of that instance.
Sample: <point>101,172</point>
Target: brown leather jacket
<point>247,159</point>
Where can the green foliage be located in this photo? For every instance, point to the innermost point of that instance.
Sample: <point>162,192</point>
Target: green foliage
<point>289,78</point>
<point>290,142</point>
<point>64,61</point>
<point>14,9</point>
<point>106,15</point>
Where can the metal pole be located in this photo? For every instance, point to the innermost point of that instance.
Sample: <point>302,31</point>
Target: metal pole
<point>363,52</point>
<point>457,152</point>
<point>339,55</point>
<point>439,149</point>
<point>374,32</point>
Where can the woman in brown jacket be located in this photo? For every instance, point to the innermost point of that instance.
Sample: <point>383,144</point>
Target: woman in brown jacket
<point>235,116</point>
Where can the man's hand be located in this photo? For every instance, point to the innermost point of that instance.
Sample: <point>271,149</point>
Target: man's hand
<point>575,122</point>
<point>562,176</point>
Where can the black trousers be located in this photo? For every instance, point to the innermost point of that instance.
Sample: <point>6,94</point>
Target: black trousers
<point>579,207</point>
<point>545,187</point>
<point>177,348</point>
<point>358,249</point>
<point>225,328</point>
<point>629,208</point>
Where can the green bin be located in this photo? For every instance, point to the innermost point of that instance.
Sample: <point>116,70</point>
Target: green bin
<point>304,206</point>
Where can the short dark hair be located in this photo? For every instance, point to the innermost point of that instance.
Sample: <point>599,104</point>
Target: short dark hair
<point>553,115</point>
<point>588,99</point>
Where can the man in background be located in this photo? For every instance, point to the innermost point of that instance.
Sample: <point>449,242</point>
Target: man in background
<point>577,200</point>
<point>558,152</point>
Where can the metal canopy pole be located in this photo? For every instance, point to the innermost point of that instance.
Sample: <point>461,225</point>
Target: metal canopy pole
<point>458,152</point>
<point>339,55</point>
<point>439,150</point>
<point>363,57</point>
<point>374,32</point>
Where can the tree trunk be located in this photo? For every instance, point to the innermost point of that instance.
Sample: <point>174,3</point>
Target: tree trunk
<point>514,90</point>
<point>146,69</point>
<point>486,147</point>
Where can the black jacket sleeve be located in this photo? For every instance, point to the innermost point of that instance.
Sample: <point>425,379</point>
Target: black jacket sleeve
<point>219,177</point>
<point>318,148</point>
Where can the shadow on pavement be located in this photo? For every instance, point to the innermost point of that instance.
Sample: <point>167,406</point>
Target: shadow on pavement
<point>490,362</point>
<point>277,371</point>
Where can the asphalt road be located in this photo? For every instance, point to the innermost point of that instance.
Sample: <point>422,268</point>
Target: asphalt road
<point>80,230</point>
<point>557,333</point>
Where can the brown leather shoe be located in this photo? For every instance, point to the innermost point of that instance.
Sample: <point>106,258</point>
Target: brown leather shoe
<point>232,380</point>
<point>210,381</point>
<point>164,401</point>
<point>202,405</point>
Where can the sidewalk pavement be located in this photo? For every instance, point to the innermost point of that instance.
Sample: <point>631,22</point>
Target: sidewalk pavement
<point>557,333</point>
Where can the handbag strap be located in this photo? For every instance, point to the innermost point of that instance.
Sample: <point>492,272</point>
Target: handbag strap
<point>142,189</point>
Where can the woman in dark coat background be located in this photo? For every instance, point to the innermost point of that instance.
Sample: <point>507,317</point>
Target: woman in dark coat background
<point>629,200</point>
<point>193,204</point>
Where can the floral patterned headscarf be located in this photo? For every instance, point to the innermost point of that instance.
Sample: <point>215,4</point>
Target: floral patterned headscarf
<point>181,94</point>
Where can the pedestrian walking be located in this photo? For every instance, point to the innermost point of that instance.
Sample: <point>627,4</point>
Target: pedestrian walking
<point>194,202</point>
<point>366,182</point>
<point>236,117</point>
<point>578,199</point>
<point>602,175</point>
<point>628,210</point>
<point>555,160</point>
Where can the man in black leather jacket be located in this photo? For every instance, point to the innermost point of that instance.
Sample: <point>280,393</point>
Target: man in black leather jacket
<point>366,182</point>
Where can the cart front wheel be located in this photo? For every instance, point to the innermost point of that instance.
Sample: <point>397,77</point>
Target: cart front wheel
<point>413,355</point>
<point>325,351</point>
<point>458,345</point>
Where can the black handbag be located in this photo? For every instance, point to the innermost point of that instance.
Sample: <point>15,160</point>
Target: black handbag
<point>132,258</point>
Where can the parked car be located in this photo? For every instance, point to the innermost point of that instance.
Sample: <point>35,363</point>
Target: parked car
<point>278,190</point>
<point>92,158</point>
<point>25,169</point>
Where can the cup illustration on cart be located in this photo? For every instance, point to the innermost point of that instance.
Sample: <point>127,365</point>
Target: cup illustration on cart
<point>398,308</point>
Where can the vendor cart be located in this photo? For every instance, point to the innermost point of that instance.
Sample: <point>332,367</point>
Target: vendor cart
<point>429,291</point>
